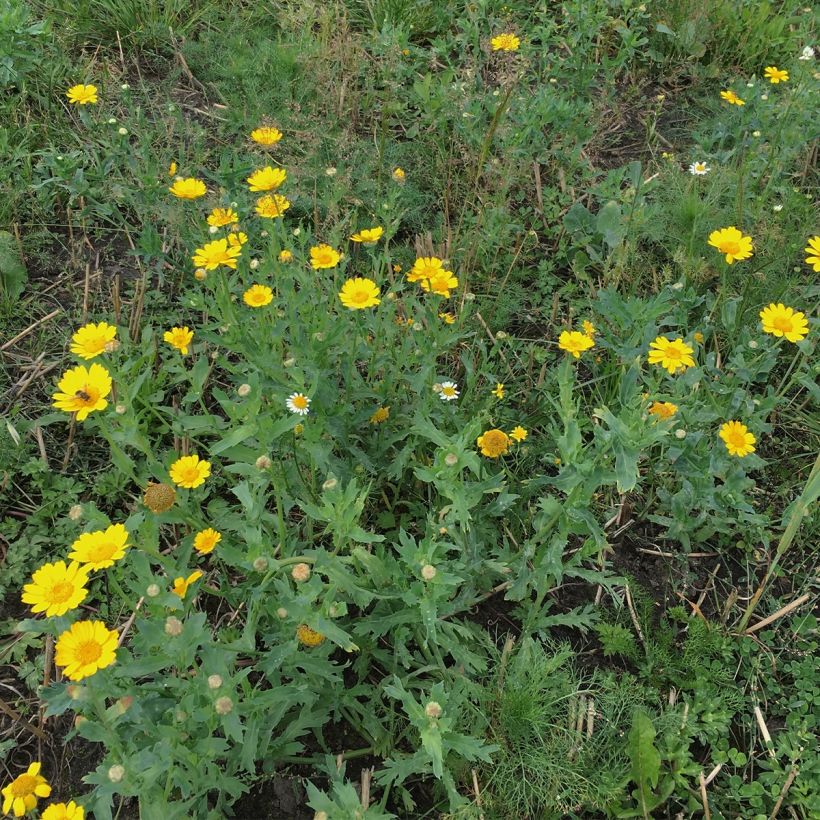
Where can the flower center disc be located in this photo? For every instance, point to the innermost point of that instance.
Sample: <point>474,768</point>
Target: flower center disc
<point>60,592</point>
<point>88,652</point>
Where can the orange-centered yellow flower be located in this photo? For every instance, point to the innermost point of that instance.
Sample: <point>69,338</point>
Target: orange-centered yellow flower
<point>190,471</point>
<point>83,391</point>
<point>307,636</point>
<point>427,267</point>
<point>213,254</point>
<point>91,340</point>
<point>441,284</point>
<point>101,548</point>
<point>380,415</point>
<point>266,135</point>
<point>190,188</point>
<point>323,256</point>
<point>663,409</point>
<point>672,355</point>
<point>775,75</point>
<point>732,98</point>
<point>505,42</point>
<point>271,206</point>
<point>258,296</point>
<point>518,434</point>
<point>181,584</point>
<point>84,648</point>
<point>56,588</point>
<point>589,328</point>
<point>493,443</point>
<point>20,796</point>
<point>813,251</point>
<point>286,256</point>
<point>179,338</point>
<point>63,811</point>
<point>206,540</point>
<point>737,438</point>
<point>237,239</point>
<point>359,293</point>
<point>780,320</point>
<point>267,179</point>
<point>368,236</point>
<point>82,94</point>
<point>219,217</point>
<point>574,342</point>
<point>732,243</point>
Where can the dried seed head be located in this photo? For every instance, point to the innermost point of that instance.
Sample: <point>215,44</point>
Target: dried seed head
<point>223,705</point>
<point>260,564</point>
<point>300,573</point>
<point>76,512</point>
<point>159,498</point>
<point>263,463</point>
<point>173,626</point>
<point>214,681</point>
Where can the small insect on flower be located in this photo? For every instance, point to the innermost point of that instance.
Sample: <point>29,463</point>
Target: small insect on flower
<point>190,471</point>
<point>775,75</point>
<point>518,434</point>
<point>266,135</point>
<point>267,179</point>
<point>672,355</point>
<point>298,403</point>
<point>498,390</point>
<point>505,42</point>
<point>368,236</point>
<point>181,584</point>
<point>101,548</point>
<point>213,254</point>
<point>737,438</point>
<point>63,811</point>
<point>574,342</point>
<point>732,98</point>
<point>56,588</point>
<point>699,169</point>
<point>359,293</point>
<point>91,340</point>
<point>380,415</point>
<point>813,251</point>
<point>82,94</point>
<point>323,256</point>
<point>219,217</point>
<point>257,296</point>
<point>205,541</point>
<point>271,206</point>
<point>83,391</point>
<point>780,320</point>
<point>663,409</point>
<point>732,243</point>
<point>493,443</point>
<point>190,188</point>
<point>448,391</point>
<point>20,796</point>
<point>84,648</point>
<point>179,338</point>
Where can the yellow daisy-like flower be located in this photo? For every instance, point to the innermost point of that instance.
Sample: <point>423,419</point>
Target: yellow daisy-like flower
<point>85,648</point>
<point>219,217</point>
<point>518,434</point>
<point>780,320</point>
<point>20,796</point>
<point>91,340</point>
<point>190,188</point>
<point>368,236</point>
<point>271,206</point>
<point>266,135</point>
<point>589,329</point>
<point>737,438</point>
<point>172,168</point>
<point>732,98</point>
<point>498,391</point>
<point>673,355</point>
<point>359,293</point>
<point>440,284</point>
<point>267,179</point>
<point>82,94</point>
<point>398,175</point>
<point>63,811</point>
<point>732,243</point>
<point>574,342</point>
<point>82,391</point>
<point>447,318</point>
<point>181,584</point>
<point>493,443</point>
<point>663,409</point>
<point>179,338</point>
<point>258,296</point>
<point>206,540</point>
<point>238,239</point>
<point>308,636</point>
<point>813,251</point>
<point>101,548</point>
<point>775,75</point>
<point>323,256</point>
<point>286,256</point>
<point>505,42</point>
<point>698,337</point>
<point>190,471</point>
<point>380,415</point>
<point>56,588</point>
<point>427,267</point>
<point>213,254</point>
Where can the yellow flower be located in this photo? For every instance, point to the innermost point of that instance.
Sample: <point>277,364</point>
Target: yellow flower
<point>737,438</point>
<point>219,217</point>
<point>698,337</point>
<point>663,409</point>
<point>731,242</point>
<point>775,75</point>
<point>298,403</point>
<point>498,392</point>
<point>447,391</point>
<point>285,256</point>
<point>505,42</point>
<point>271,206</point>
<point>82,94</point>
<point>159,498</point>
<point>206,540</point>
<point>380,415</point>
<point>323,256</point>
<point>732,98</point>
<point>427,267</point>
<point>190,471</point>
<point>84,648</point>
<point>813,249</point>
<point>359,293</point>
<point>308,636</point>
<point>780,320</point>
<point>90,340</point>
<point>266,135</point>
<point>396,268</point>
<point>440,284</point>
<point>589,329</point>
<point>20,796</point>
<point>258,296</point>
<point>238,239</point>
<point>100,549</point>
<point>190,188</point>
<point>83,391</point>
<point>172,168</point>
<point>56,588</point>
<point>368,236</point>
<point>179,338</point>
<point>493,443</point>
<point>213,254</point>
<point>675,355</point>
<point>518,434</point>
<point>181,584</point>
<point>398,175</point>
<point>574,342</point>
<point>63,811</point>
<point>267,179</point>
<point>447,318</point>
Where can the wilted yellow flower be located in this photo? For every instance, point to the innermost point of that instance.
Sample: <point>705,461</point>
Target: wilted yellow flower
<point>219,217</point>
<point>505,42</point>
<point>672,355</point>
<point>737,438</point>
<point>308,636</point>
<point>780,320</point>
<point>732,98</point>
<point>813,251</point>
<point>206,540</point>
<point>285,256</point>
<point>266,135</point>
<point>775,75</point>
<point>179,338</point>
<point>493,443</point>
<point>267,179</point>
<point>663,409</point>
<point>181,584</point>
<point>82,94</point>
<point>84,648</point>
<point>258,296</point>
<point>190,188</point>
<point>359,293</point>
<point>20,796</point>
<point>91,340</point>
<point>368,236</point>
<point>574,342</point>
<point>398,175</point>
<point>56,588</point>
<point>190,471</point>
<point>323,256</point>
<point>518,434</point>
<point>498,390</point>
<point>380,415</point>
<point>271,206</point>
<point>82,391</point>
<point>100,549</point>
<point>731,242</point>
<point>441,284</point>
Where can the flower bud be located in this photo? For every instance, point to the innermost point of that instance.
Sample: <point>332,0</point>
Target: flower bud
<point>116,773</point>
<point>289,362</point>
<point>120,409</point>
<point>285,256</point>
<point>200,274</point>
<point>122,131</point>
<point>214,681</point>
<point>263,463</point>
<point>260,564</point>
<point>451,459</point>
<point>223,705</point>
<point>152,590</point>
<point>298,429</point>
<point>330,484</point>
<point>213,229</point>
<point>282,613</point>
<point>173,626</point>
<point>243,390</point>
<point>75,692</point>
<point>433,710</point>
<point>428,572</point>
<point>442,530</point>
<point>331,172</point>
<point>79,720</point>
<point>320,815</point>
<point>76,512</point>
<point>253,264</point>
<point>300,573</point>
<point>680,433</point>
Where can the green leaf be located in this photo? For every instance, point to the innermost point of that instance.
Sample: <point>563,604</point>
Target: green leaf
<point>13,275</point>
<point>609,224</point>
<point>645,758</point>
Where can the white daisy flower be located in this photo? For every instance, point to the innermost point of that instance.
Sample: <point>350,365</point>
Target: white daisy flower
<point>698,169</point>
<point>298,403</point>
<point>449,391</point>
<point>807,53</point>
